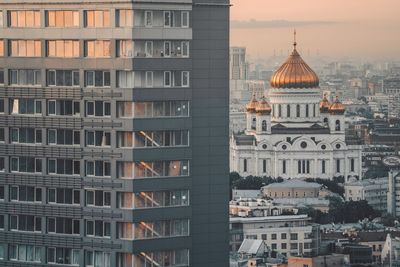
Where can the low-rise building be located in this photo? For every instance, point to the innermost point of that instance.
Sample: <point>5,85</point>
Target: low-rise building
<point>293,188</point>
<point>374,191</point>
<point>338,260</point>
<point>250,207</point>
<point>287,235</point>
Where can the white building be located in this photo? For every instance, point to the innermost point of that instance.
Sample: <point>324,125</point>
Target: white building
<point>295,134</point>
<point>374,191</point>
<point>287,235</point>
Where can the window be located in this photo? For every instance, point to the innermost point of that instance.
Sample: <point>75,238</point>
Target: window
<point>26,164</point>
<point>2,137</point>
<point>273,236</point>
<point>25,48</point>
<point>153,139</point>
<point>63,166</point>
<point>1,71</point>
<point>298,111</point>
<point>98,198</point>
<point>153,109</point>
<point>1,23</point>
<point>185,19</point>
<point>288,111</point>
<point>125,79</point>
<point>185,49</point>
<point>185,79</point>
<point>283,236</point>
<point>26,106</point>
<point>63,137</point>
<point>129,170</point>
<point>167,19</point>
<point>1,105</point>
<point>293,236</point>
<point>158,229</point>
<point>98,109</point>
<point>283,246</point>
<point>63,108</point>
<point>59,225</point>
<point>1,228</point>
<point>149,78</point>
<point>1,193</point>
<point>314,110</point>
<point>25,193</point>
<point>337,125</point>
<point>98,138</point>
<point>323,166</point>
<point>62,18</point>
<point>97,18</point>
<point>148,48</point>
<point>97,259</point>
<point>62,48</point>
<point>167,79</point>
<point>26,135</point>
<point>98,228</point>
<point>307,111</point>
<point>97,48</point>
<point>167,49</point>
<point>159,258</point>
<point>352,163</point>
<point>142,200</point>
<point>148,18</point>
<point>63,256</point>
<point>25,253</point>
<point>97,78</point>
<point>24,18</point>
<point>303,167</point>
<point>63,78</point>
<point>98,168</point>
<point>284,166</point>
<point>25,77</point>
<point>338,165</point>
<point>279,110</point>
<point>244,165</point>
<point>264,164</point>
<point>125,18</point>
<point>63,196</point>
<point>264,126</point>
<point>125,48</point>
<point>2,50</point>
<point>25,223</point>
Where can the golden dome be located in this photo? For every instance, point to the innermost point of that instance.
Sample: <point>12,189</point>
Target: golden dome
<point>263,107</point>
<point>251,106</point>
<point>324,105</point>
<point>337,107</point>
<point>294,73</point>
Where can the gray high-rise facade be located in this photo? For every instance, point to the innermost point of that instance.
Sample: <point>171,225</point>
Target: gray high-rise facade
<point>114,133</point>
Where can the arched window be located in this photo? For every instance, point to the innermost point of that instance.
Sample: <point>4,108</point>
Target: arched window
<point>307,111</point>
<point>288,111</point>
<point>253,124</point>
<point>352,164</point>
<point>244,165</point>
<point>264,126</point>
<point>337,125</point>
<point>298,111</point>
<point>315,110</point>
<point>325,120</point>
<point>279,111</point>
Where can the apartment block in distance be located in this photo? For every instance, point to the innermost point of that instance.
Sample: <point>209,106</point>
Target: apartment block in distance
<point>114,133</point>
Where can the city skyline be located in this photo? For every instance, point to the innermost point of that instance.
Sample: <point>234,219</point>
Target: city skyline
<point>349,30</point>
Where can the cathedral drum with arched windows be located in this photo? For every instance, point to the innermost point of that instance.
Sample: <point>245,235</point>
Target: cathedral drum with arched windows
<point>295,133</point>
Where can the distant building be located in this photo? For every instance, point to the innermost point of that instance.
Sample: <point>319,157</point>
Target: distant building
<point>338,260</point>
<point>390,255</point>
<point>374,191</point>
<point>291,189</point>
<point>372,155</point>
<point>242,193</point>
<point>287,235</point>
<point>238,64</point>
<point>256,208</point>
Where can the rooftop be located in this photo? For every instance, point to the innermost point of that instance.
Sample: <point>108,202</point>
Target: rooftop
<point>293,183</point>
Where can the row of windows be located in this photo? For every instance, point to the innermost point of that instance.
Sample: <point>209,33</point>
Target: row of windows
<point>99,168</point>
<point>310,110</point>
<point>98,138</point>
<point>96,198</point>
<point>25,106</point>
<point>98,78</point>
<point>100,228</point>
<point>96,48</point>
<point>96,18</point>
<point>93,258</point>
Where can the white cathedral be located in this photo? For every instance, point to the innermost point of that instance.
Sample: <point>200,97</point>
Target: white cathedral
<point>295,134</point>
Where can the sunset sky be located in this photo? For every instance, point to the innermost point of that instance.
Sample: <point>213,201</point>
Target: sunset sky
<point>360,29</point>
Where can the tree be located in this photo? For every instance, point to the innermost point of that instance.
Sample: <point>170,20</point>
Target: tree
<point>332,186</point>
<point>251,182</point>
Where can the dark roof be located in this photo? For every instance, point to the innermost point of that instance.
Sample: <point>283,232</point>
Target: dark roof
<point>245,140</point>
<point>310,130</point>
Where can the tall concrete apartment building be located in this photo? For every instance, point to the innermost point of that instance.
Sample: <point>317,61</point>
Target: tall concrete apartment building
<point>114,133</point>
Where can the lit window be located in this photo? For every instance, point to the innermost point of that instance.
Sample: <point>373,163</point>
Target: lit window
<point>125,48</point>
<point>62,18</point>
<point>97,48</point>
<point>125,18</point>
<point>24,18</point>
<point>25,48</point>
<point>97,18</point>
<point>62,48</point>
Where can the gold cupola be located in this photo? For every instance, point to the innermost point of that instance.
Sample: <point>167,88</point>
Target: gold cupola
<point>337,108</point>
<point>324,105</point>
<point>252,104</point>
<point>294,73</point>
<point>263,108</point>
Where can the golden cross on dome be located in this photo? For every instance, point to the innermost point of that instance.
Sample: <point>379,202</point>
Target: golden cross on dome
<point>294,39</point>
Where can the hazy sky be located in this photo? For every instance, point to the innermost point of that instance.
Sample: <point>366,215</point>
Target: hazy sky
<point>362,29</point>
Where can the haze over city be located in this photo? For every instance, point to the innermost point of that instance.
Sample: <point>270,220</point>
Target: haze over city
<point>358,29</point>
